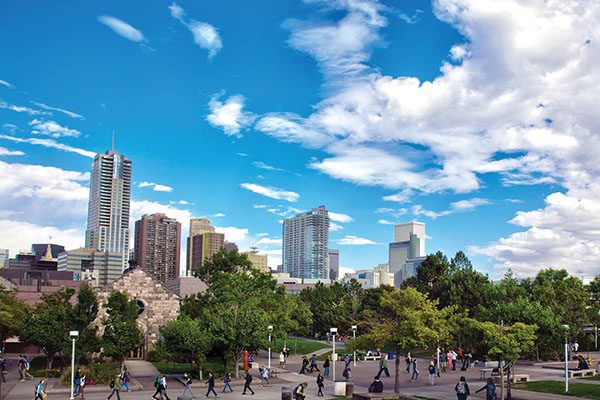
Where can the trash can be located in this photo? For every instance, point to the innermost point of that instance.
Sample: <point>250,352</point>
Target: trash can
<point>349,388</point>
<point>339,388</point>
<point>286,393</point>
<point>390,356</point>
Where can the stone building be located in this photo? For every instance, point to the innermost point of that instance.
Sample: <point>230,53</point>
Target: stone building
<point>157,304</point>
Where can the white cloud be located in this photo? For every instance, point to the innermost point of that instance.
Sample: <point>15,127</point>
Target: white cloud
<point>218,215</point>
<point>333,227</point>
<point>7,84</point>
<point>142,207</point>
<point>52,129</point>
<point>205,35</point>
<point>62,110</point>
<point>260,206</point>
<point>229,115</point>
<point>396,213</point>
<point>50,143</point>
<point>354,241</point>
<point>345,270</point>
<point>272,192</point>
<point>157,188</point>
<point>385,222</point>
<point>269,242</point>
<point>22,109</point>
<point>6,152</point>
<point>122,28</point>
<point>343,218</point>
<point>18,235</point>
<point>262,165</point>
<point>403,196</point>
<point>457,206</point>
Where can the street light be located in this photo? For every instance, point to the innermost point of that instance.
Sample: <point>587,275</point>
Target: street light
<point>270,328</point>
<point>566,328</point>
<point>73,335</point>
<point>333,332</point>
<point>354,337</point>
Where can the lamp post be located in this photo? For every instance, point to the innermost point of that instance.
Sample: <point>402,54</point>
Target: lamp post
<point>566,328</point>
<point>270,328</point>
<point>354,337</point>
<point>333,332</point>
<point>73,335</point>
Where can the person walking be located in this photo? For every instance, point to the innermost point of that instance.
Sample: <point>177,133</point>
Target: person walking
<point>320,384</point>
<point>211,385</point>
<point>376,386</point>
<point>125,379</point>
<point>454,357</point>
<point>415,369</point>
<point>81,386</point>
<point>264,376</point>
<point>282,360</point>
<point>432,373</point>
<point>247,382</point>
<point>77,380</point>
<point>39,391</point>
<point>187,382</point>
<point>304,369</point>
<point>443,361</point>
<point>326,364</point>
<point>449,359</point>
<point>462,389</point>
<point>490,390</point>
<point>26,368</point>
<point>227,382</point>
<point>383,366</point>
<point>347,360</point>
<point>347,372</point>
<point>158,390</point>
<point>408,361</point>
<point>313,364</point>
<point>115,386</point>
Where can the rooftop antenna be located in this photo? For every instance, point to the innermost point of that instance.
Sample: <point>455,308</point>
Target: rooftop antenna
<point>113,140</point>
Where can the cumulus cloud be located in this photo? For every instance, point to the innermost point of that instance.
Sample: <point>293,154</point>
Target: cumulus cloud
<point>205,35</point>
<point>385,222</point>
<point>333,227</point>
<point>403,196</point>
<point>338,217</point>
<point>272,192</point>
<point>122,28</point>
<point>52,129</point>
<point>16,235</point>
<point>229,115</point>
<point>50,143</point>
<point>155,186</point>
<point>6,152</point>
<point>457,206</point>
<point>354,241</point>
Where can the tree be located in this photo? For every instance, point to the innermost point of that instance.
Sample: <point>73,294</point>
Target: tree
<point>429,273</point>
<point>49,325</point>
<point>13,312</point>
<point>408,320</point>
<point>186,340</point>
<point>83,315</point>
<point>329,306</point>
<point>121,332</point>
<point>223,261</point>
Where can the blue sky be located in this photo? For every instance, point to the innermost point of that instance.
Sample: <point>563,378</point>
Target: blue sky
<point>475,117</point>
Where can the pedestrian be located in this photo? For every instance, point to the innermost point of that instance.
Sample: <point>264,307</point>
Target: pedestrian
<point>158,388</point>
<point>415,369</point>
<point>313,363</point>
<point>299,393</point>
<point>27,367</point>
<point>115,386</point>
<point>77,379</point>
<point>264,376</point>
<point>39,391</point>
<point>347,372</point>
<point>320,384</point>
<point>576,347</point>
<point>383,366</point>
<point>82,386</point>
<point>211,385</point>
<point>443,361</point>
<point>347,359</point>
<point>282,359</point>
<point>3,370</point>
<point>227,382</point>
<point>490,390</point>
<point>408,361</point>
<point>125,379</point>
<point>304,368</point>
<point>462,389</point>
<point>187,382</point>
<point>449,359</point>
<point>376,386</point>
<point>247,382</point>
<point>454,356</point>
<point>326,364</point>
<point>432,373</point>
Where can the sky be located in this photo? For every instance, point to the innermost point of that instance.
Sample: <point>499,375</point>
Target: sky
<point>477,117</point>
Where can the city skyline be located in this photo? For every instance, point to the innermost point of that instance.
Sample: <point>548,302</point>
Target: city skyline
<point>476,119</point>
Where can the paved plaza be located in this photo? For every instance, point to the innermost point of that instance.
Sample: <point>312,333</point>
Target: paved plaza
<point>143,377</point>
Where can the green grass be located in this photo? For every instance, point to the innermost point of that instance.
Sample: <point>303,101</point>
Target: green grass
<point>212,364</point>
<point>587,391</point>
<point>298,346</point>
<point>592,378</point>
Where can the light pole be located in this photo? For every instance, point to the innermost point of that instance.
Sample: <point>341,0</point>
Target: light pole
<point>73,335</point>
<point>566,328</point>
<point>270,328</point>
<point>354,337</point>
<point>333,332</point>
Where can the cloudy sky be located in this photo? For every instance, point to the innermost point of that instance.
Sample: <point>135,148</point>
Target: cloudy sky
<point>478,117</point>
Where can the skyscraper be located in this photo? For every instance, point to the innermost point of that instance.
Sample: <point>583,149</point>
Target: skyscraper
<point>108,209</point>
<point>157,249</point>
<point>305,245</point>
<point>334,264</point>
<point>407,250</point>
<point>202,244</point>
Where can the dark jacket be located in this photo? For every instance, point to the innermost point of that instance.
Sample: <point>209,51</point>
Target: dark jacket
<point>376,386</point>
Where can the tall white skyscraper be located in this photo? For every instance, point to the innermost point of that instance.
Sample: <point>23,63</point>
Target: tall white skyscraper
<point>407,251</point>
<point>305,245</point>
<point>108,210</point>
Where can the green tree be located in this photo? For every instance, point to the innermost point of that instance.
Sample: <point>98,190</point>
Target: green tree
<point>121,331</point>
<point>186,340</point>
<point>49,325</point>
<point>13,312</point>
<point>330,306</point>
<point>429,273</point>
<point>407,320</point>
<point>82,316</point>
<point>223,261</point>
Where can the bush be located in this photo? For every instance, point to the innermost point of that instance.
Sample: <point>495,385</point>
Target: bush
<point>101,373</point>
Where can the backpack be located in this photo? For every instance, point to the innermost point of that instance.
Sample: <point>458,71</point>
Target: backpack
<point>112,384</point>
<point>461,388</point>
<point>157,382</point>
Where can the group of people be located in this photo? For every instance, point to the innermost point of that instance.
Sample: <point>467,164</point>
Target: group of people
<point>116,384</point>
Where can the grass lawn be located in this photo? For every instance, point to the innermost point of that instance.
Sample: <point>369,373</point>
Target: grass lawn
<point>556,387</point>
<point>298,346</point>
<point>593,378</point>
<point>212,364</point>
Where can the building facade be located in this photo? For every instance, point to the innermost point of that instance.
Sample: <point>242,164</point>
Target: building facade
<point>409,244</point>
<point>305,245</point>
<point>91,265</point>
<point>259,261</point>
<point>41,250</point>
<point>4,256</point>
<point>202,243</point>
<point>334,264</point>
<point>156,248</point>
<point>108,208</point>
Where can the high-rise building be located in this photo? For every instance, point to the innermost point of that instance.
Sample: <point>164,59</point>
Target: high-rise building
<point>334,264</point>
<point>409,244</point>
<point>260,262</point>
<point>91,265</point>
<point>305,245</point>
<point>230,246</point>
<point>202,244</point>
<point>108,210</point>
<point>157,249</point>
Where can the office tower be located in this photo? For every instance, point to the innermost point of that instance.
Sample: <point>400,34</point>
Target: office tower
<point>157,249</point>
<point>202,244</point>
<point>334,264</point>
<point>230,246</point>
<point>407,250</point>
<point>260,262</point>
<point>93,266</point>
<point>305,245</point>
<point>108,211</point>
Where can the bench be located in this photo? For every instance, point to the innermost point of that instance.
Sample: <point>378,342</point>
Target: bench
<point>582,373</point>
<point>483,372</point>
<point>368,396</point>
<point>372,358</point>
<point>515,378</point>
